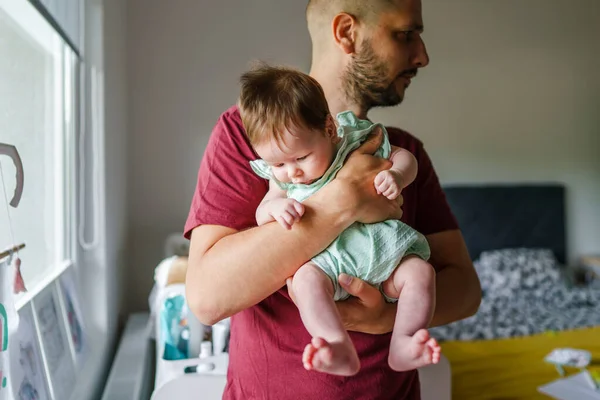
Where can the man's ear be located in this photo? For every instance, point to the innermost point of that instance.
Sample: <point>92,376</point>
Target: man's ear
<point>344,28</point>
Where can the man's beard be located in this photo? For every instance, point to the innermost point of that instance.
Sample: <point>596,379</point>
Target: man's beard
<point>365,81</point>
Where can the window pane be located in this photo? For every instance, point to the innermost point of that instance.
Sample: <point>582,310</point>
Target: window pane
<point>32,119</point>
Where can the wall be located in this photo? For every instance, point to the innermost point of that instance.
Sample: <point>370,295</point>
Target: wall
<point>510,95</point>
<point>116,131</point>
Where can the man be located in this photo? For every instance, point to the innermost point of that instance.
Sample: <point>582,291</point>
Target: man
<point>364,56</point>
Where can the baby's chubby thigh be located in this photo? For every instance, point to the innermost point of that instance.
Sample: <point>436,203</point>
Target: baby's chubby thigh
<point>309,279</point>
<point>413,269</point>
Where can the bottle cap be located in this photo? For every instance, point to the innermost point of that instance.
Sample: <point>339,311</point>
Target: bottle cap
<point>205,349</point>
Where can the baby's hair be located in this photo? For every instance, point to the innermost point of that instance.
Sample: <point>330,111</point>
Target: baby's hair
<point>273,99</point>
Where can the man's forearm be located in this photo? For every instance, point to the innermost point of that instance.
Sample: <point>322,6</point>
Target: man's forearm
<point>458,295</point>
<point>243,268</point>
<point>262,214</point>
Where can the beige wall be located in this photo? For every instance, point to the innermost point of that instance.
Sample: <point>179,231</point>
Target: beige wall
<point>512,94</point>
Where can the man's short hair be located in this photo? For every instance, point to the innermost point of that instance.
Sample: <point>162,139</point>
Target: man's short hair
<point>319,13</point>
<point>276,98</point>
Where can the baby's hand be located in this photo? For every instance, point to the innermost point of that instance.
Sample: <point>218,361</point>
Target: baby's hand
<point>388,183</point>
<point>286,211</point>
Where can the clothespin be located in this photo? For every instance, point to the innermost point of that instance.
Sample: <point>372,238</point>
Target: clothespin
<point>11,250</point>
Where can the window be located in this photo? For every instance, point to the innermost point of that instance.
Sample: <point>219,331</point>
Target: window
<point>37,116</point>
<point>39,109</point>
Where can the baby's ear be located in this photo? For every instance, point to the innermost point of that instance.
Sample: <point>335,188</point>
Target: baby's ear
<point>331,127</point>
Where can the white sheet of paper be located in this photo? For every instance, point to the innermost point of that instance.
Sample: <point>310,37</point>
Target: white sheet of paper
<point>55,343</point>
<point>573,387</point>
<point>28,375</point>
<point>76,327</point>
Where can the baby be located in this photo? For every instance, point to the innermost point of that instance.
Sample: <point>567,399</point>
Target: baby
<point>289,125</point>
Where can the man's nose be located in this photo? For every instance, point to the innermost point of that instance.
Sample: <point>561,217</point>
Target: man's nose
<point>420,58</point>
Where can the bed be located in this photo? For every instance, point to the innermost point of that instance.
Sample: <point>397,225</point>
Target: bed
<point>517,239</point>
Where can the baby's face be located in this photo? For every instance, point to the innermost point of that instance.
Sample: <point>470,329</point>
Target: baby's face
<point>303,155</point>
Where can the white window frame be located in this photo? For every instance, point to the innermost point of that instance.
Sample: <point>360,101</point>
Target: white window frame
<point>65,120</point>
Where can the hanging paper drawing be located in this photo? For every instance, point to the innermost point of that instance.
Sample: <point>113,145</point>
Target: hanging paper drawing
<point>4,328</point>
<point>28,377</point>
<point>10,279</point>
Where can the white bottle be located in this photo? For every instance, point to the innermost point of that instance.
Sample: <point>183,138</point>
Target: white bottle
<point>220,334</point>
<point>205,352</point>
<point>196,335</point>
<point>205,349</point>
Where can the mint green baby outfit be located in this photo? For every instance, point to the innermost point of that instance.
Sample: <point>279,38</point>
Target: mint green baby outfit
<point>370,252</point>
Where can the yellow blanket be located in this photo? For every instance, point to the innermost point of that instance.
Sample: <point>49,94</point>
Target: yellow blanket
<point>513,368</point>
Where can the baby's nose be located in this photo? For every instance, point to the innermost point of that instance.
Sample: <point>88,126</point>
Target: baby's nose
<point>293,172</point>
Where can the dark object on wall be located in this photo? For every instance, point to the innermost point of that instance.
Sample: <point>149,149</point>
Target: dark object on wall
<point>494,217</point>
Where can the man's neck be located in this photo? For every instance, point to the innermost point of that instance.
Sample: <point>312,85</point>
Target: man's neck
<point>331,81</point>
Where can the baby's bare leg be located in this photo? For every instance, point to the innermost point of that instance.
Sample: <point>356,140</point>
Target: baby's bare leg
<point>331,349</point>
<point>413,283</point>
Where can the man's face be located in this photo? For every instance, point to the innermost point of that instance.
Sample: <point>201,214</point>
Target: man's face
<point>388,58</point>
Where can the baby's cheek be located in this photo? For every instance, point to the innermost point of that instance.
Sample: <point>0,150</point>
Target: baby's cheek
<point>319,169</point>
<point>280,177</point>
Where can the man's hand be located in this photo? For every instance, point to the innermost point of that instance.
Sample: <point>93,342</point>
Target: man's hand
<point>366,312</point>
<point>354,185</point>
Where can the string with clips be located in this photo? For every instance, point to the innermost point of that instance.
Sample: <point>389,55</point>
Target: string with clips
<point>11,151</point>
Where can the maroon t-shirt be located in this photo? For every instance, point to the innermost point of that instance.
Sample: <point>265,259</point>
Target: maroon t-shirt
<point>267,339</point>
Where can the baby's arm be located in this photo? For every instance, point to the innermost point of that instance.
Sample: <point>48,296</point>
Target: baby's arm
<point>403,172</point>
<point>275,206</point>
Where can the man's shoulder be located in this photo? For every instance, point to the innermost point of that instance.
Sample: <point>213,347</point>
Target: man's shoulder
<point>229,135</point>
<point>229,127</point>
<point>232,113</point>
<point>230,121</point>
<point>401,138</point>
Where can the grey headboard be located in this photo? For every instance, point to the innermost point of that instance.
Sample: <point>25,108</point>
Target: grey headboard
<point>493,217</point>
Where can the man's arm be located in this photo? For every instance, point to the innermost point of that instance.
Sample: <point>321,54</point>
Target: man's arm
<point>230,271</point>
<point>458,291</point>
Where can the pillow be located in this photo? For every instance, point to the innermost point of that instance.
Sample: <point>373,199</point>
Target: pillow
<point>515,269</point>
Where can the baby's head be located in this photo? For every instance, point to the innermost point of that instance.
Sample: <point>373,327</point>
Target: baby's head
<point>288,122</point>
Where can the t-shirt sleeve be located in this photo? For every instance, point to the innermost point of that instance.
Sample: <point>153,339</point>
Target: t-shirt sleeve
<point>228,191</point>
<point>433,213</point>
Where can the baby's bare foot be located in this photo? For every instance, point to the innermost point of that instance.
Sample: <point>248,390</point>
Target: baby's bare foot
<point>337,358</point>
<point>414,352</point>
